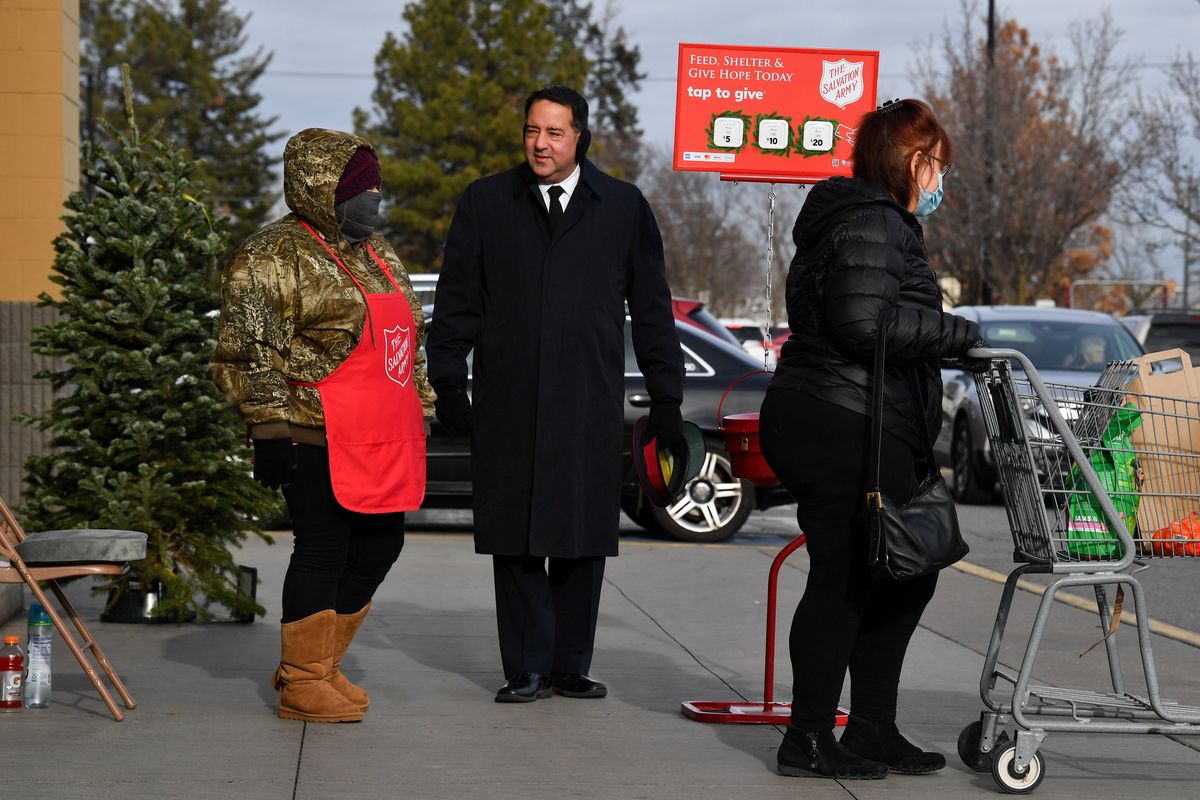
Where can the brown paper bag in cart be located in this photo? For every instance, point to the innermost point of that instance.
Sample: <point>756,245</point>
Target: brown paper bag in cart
<point>1167,442</point>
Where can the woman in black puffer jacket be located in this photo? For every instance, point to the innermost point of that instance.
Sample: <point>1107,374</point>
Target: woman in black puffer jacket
<point>860,258</point>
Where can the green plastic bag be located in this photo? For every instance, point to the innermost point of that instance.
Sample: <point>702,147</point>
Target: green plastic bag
<point>1088,534</point>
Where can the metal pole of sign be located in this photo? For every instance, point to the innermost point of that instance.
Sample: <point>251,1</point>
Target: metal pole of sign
<point>768,312</point>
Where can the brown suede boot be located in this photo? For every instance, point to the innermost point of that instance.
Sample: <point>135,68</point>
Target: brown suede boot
<point>347,626</point>
<point>305,665</point>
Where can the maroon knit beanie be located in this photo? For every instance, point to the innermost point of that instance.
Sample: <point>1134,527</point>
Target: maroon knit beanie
<point>361,173</point>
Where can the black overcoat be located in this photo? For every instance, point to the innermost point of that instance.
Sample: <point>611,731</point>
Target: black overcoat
<point>545,317</point>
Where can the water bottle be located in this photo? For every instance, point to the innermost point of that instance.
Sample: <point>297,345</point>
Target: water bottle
<point>12,664</point>
<point>37,680</point>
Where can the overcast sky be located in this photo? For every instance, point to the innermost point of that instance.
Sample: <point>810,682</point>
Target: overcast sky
<point>324,53</point>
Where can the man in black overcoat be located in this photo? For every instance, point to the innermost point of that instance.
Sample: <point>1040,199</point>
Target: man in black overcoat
<point>540,263</point>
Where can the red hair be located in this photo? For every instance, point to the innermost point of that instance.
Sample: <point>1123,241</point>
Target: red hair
<point>888,139</point>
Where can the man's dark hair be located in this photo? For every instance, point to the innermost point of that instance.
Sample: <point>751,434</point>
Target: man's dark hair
<point>564,96</point>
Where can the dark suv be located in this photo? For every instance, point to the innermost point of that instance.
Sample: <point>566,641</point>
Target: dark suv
<point>1164,329</point>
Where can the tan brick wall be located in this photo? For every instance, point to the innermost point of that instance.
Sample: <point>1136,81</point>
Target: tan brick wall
<point>39,137</point>
<point>39,167</point>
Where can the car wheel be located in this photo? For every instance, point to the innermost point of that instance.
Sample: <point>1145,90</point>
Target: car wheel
<point>712,507</point>
<point>970,486</point>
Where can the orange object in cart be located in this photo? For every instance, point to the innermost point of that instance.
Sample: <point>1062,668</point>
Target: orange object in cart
<point>1180,538</point>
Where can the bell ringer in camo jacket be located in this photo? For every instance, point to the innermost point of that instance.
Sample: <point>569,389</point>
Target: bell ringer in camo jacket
<point>288,312</point>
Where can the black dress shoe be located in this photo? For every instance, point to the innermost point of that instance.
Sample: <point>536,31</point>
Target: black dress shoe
<point>524,688</point>
<point>572,684</point>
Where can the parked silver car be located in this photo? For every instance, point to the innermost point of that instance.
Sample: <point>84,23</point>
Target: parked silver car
<point>1067,346</point>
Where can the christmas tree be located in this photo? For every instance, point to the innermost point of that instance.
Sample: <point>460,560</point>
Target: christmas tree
<point>139,437</point>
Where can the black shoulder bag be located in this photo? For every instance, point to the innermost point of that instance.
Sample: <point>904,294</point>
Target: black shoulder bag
<point>909,541</point>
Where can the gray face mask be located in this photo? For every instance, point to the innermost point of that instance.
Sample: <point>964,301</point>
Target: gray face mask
<point>358,217</point>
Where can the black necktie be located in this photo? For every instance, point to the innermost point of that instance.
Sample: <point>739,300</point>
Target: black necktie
<point>556,209</point>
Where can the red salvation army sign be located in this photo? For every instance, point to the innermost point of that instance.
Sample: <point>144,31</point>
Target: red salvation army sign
<point>771,113</point>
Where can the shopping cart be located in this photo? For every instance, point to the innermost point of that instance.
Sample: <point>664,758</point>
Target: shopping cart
<point>1080,468</point>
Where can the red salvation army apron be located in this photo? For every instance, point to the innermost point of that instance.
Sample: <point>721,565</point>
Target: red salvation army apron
<point>374,422</point>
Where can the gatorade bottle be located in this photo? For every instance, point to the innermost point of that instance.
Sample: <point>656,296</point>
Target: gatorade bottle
<point>37,680</point>
<point>12,663</point>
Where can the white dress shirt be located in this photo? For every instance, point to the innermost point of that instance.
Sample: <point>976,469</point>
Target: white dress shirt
<point>568,185</point>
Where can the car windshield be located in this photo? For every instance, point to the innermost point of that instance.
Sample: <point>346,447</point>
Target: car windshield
<point>1063,345</point>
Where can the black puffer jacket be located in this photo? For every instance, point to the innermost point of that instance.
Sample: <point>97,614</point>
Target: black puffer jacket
<point>858,254</point>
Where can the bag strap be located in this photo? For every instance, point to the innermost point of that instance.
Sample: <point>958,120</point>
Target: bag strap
<point>881,326</point>
<point>922,422</point>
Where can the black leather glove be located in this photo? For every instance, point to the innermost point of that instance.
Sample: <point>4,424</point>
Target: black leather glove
<point>274,462</point>
<point>976,365</point>
<point>453,407</point>
<point>963,332</point>
<point>665,422</point>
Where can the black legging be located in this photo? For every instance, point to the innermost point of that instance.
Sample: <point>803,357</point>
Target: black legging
<point>846,618</point>
<point>339,557</point>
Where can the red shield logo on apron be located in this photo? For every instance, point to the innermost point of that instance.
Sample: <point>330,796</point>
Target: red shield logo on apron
<point>397,354</point>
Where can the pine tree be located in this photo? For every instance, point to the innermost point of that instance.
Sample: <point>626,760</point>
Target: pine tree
<point>139,437</point>
<point>191,71</point>
<point>448,106</point>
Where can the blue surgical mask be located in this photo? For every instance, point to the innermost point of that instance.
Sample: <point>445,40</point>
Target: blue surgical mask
<point>927,201</point>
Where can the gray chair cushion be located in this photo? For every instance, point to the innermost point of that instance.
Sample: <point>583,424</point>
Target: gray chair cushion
<point>82,546</point>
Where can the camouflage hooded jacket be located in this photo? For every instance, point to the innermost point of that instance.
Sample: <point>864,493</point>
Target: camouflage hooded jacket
<point>288,312</point>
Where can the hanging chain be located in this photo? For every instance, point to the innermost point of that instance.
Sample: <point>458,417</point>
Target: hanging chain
<point>768,316</point>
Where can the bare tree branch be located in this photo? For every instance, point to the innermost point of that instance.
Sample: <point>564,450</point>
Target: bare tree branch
<point>712,246</point>
<point>1034,164</point>
<point>1164,191</point>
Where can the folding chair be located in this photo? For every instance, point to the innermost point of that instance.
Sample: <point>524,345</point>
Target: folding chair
<point>50,555</point>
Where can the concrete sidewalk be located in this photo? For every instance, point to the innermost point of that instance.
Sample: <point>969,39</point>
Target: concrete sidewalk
<point>677,622</point>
